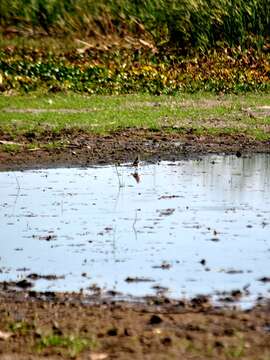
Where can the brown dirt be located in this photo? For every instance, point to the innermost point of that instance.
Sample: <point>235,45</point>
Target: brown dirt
<point>154,329</point>
<point>82,149</point>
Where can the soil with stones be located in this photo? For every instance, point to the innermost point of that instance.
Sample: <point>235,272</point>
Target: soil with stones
<point>58,326</point>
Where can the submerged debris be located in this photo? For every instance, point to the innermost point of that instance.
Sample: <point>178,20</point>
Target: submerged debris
<point>166,212</point>
<point>35,276</point>
<point>138,279</point>
<point>47,237</point>
<point>163,266</point>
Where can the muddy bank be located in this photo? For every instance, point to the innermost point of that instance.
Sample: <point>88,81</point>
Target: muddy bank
<point>55,326</point>
<point>80,149</point>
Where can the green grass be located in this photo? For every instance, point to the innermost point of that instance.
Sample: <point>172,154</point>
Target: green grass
<point>10,148</point>
<point>20,327</point>
<point>66,345</point>
<point>203,113</point>
<point>72,345</point>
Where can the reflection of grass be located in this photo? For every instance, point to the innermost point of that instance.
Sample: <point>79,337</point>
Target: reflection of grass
<point>202,113</point>
<point>72,344</point>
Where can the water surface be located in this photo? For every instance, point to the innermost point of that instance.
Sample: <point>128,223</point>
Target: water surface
<point>193,227</point>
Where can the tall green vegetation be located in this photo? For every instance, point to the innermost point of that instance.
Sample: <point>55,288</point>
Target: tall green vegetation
<point>184,24</point>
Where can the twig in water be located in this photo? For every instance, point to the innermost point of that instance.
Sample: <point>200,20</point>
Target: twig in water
<point>17,181</point>
<point>134,225</point>
<point>18,193</point>
<point>121,184</point>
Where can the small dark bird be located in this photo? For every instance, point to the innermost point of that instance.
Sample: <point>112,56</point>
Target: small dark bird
<point>238,154</point>
<point>136,161</point>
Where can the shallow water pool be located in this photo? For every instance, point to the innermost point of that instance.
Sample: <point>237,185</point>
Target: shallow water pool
<point>183,228</point>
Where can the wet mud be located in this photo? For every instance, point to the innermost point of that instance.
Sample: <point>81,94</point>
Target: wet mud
<point>81,149</point>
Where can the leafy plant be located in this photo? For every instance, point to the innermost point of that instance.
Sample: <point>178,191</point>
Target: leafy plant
<point>225,70</point>
<point>73,344</point>
<point>21,327</point>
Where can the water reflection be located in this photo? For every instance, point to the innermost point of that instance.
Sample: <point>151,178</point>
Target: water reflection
<point>207,219</point>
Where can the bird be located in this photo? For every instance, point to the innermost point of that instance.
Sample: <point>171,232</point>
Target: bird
<point>136,161</point>
<point>238,154</point>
